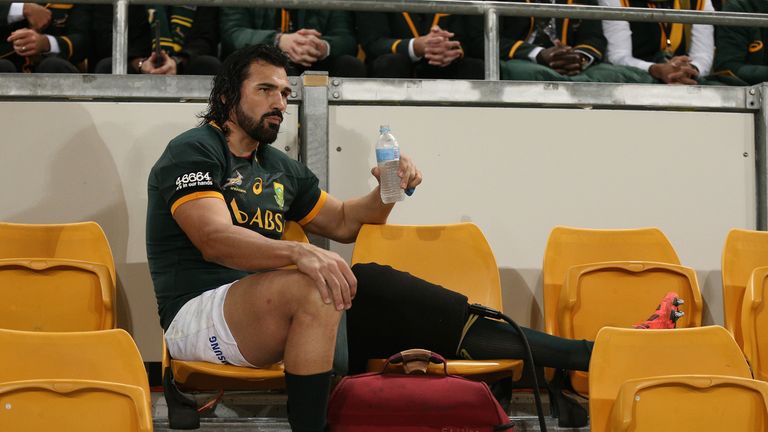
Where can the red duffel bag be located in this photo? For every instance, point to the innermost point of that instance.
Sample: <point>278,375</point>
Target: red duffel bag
<point>414,401</point>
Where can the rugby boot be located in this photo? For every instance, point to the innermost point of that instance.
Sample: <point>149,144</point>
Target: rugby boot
<point>666,314</point>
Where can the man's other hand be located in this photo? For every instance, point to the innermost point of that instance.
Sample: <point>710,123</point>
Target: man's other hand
<point>334,279</point>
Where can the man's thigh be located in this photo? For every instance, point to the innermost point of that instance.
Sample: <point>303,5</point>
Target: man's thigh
<point>258,311</point>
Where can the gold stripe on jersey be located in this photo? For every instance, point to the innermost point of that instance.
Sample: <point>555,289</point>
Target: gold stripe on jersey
<point>316,209</point>
<point>194,196</point>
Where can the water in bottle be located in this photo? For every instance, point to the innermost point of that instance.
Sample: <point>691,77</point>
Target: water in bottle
<point>388,160</point>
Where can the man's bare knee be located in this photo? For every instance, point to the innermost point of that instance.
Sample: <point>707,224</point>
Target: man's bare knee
<point>310,303</point>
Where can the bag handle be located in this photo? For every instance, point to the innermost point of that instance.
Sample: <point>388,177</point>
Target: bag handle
<point>416,360</point>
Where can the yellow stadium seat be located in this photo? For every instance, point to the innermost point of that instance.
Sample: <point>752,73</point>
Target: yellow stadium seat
<point>568,247</point>
<point>744,251</point>
<point>56,277</point>
<point>72,381</point>
<point>754,322</point>
<point>194,376</point>
<point>621,355</point>
<point>619,294</point>
<point>455,256</point>
<point>691,403</point>
<point>82,241</point>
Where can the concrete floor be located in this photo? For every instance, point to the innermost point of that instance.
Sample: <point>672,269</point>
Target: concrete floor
<point>265,412</point>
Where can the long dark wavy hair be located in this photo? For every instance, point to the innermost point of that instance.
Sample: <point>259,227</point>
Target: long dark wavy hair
<point>225,94</point>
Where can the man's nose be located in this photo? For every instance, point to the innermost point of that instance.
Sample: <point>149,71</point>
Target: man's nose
<point>279,102</point>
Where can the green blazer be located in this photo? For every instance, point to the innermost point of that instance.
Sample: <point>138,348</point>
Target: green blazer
<point>741,51</point>
<point>241,27</point>
<point>583,35</point>
<point>384,33</point>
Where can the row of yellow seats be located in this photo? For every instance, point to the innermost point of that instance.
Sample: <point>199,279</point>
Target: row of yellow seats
<point>597,278</point>
<point>458,257</point>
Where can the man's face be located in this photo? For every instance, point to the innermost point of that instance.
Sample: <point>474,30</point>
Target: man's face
<point>263,99</point>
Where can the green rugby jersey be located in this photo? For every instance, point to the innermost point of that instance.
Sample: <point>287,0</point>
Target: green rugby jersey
<point>260,193</point>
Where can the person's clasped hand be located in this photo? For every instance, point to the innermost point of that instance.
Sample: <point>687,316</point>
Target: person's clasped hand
<point>562,59</point>
<point>165,66</point>
<point>437,47</point>
<point>38,17</point>
<point>304,47</point>
<point>27,42</point>
<point>678,70</point>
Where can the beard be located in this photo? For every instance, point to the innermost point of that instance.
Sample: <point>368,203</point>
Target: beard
<point>259,130</point>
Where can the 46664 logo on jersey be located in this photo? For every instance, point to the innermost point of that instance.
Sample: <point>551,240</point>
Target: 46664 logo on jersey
<point>193,179</point>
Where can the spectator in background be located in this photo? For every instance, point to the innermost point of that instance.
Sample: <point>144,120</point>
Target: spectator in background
<point>405,45</point>
<point>50,39</point>
<point>741,57</point>
<point>188,37</point>
<point>672,53</point>
<point>312,39</point>
<point>549,49</point>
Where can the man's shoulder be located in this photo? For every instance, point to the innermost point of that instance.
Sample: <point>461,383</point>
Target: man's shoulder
<point>202,142</point>
<point>204,137</point>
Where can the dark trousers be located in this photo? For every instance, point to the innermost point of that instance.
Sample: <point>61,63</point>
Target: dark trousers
<point>401,66</point>
<point>197,65</point>
<point>7,66</point>
<point>345,66</point>
<point>48,65</point>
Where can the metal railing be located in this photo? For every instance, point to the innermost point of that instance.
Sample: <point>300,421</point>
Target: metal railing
<point>491,10</point>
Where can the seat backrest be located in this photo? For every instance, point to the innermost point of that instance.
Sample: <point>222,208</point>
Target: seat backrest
<point>62,362</point>
<point>622,293</point>
<point>754,322</point>
<point>622,354</point>
<point>567,247</point>
<point>82,241</point>
<point>744,250</point>
<point>41,294</point>
<point>698,403</point>
<point>455,256</point>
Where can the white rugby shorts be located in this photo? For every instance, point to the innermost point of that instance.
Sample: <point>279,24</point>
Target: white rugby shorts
<point>199,331</point>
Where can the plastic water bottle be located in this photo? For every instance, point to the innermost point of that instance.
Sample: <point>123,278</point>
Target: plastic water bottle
<point>388,160</point>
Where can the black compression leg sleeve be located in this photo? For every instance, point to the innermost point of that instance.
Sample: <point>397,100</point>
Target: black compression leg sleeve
<point>307,401</point>
<point>395,311</point>
<point>490,339</point>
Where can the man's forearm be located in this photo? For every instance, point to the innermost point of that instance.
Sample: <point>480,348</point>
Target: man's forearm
<point>243,249</point>
<point>358,211</point>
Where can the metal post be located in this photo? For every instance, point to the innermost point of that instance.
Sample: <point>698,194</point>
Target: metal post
<point>761,151</point>
<point>120,38</point>
<point>313,131</point>
<point>491,44</point>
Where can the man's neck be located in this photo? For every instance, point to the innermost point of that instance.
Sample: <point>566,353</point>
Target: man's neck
<point>239,142</point>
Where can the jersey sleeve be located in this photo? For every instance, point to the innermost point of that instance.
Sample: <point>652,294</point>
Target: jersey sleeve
<point>309,197</point>
<point>189,171</point>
